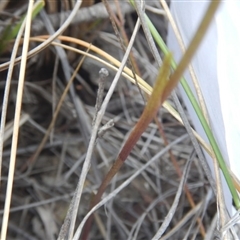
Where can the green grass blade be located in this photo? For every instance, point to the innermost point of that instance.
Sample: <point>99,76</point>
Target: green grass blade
<point>11,32</point>
<point>199,113</point>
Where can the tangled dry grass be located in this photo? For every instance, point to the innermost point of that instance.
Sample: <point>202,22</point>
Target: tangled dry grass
<point>44,184</point>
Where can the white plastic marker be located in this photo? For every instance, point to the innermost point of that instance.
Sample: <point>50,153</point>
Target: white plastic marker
<point>217,67</point>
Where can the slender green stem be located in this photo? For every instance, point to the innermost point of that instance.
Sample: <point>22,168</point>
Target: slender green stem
<point>11,31</point>
<point>200,115</point>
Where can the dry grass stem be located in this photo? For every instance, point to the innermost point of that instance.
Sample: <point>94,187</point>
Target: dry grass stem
<point>94,134</point>
<point>16,122</point>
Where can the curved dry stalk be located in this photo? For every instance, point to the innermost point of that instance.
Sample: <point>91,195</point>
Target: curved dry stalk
<point>126,73</point>
<point>50,39</point>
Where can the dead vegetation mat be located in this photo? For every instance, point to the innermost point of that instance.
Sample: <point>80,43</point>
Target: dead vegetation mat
<point>43,188</point>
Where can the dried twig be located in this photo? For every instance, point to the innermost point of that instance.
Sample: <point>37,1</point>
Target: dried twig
<point>16,121</point>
